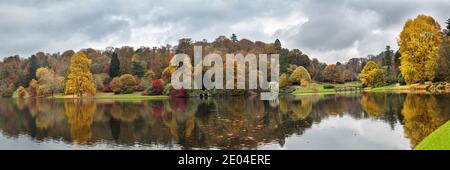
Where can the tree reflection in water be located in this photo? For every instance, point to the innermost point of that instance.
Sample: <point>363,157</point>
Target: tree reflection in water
<point>225,123</point>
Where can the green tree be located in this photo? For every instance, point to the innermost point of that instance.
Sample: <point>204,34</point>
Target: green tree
<point>419,43</point>
<point>32,67</point>
<point>234,38</point>
<point>448,27</point>
<point>137,69</point>
<point>114,66</point>
<point>277,45</point>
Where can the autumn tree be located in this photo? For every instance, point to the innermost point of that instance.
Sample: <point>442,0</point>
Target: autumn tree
<point>372,75</point>
<point>79,80</point>
<point>346,75</point>
<point>49,82</point>
<point>33,87</point>
<point>7,92</point>
<point>300,76</point>
<point>114,66</point>
<point>330,73</point>
<point>443,71</point>
<point>283,82</point>
<point>167,73</point>
<point>21,92</point>
<point>419,42</point>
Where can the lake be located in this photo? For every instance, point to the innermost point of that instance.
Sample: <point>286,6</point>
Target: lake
<point>342,121</point>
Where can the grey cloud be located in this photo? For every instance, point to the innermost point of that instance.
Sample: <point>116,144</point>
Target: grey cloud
<point>335,30</point>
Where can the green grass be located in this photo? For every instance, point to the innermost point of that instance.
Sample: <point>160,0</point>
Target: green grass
<point>390,88</point>
<point>111,96</point>
<point>133,96</point>
<point>438,140</point>
<point>15,95</point>
<point>315,88</point>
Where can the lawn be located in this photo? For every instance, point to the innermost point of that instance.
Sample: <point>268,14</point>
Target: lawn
<point>438,140</point>
<point>314,88</point>
<point>390,88</point>
<point>128,96</point>
<point>112,96</point>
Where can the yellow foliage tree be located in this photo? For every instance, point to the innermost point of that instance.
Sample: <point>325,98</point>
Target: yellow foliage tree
<point>33,87</point>
<point>80,79</point>
<point>372,75</point>
<point>283,82</point>
<point>419,43</point>
<point>300,76</point>
<point>40,72</point>
<point>21,92</point>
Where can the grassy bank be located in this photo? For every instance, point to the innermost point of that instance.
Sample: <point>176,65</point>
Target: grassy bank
<point>315,88</point>
<point>111,96</point>
<point>438,140</point>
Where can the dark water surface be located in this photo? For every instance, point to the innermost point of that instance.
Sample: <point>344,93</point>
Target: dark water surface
<point>345,121</point>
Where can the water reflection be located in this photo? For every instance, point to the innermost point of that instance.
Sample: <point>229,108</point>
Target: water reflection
<point>225,123</point>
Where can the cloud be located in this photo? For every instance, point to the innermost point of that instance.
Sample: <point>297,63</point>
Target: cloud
<point>328,29</point>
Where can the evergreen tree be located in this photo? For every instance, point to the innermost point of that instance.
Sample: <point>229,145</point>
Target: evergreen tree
<point>32,68</point>
<point>448,27</point>
<point>277,45</point>
<point>137,69</point>
<point>234,37</point>
<point>114,66</point>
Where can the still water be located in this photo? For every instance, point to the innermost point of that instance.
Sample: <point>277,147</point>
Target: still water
<point>344,121</point>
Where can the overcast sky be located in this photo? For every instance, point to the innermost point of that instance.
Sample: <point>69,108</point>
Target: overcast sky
<point>330,30</point>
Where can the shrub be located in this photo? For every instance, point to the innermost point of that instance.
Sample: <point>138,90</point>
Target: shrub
<point>139,85</point>
<point>328,87</point>
<point>7,92</point>
<point>128,90</point>
<point>149,91</point>
<point>21,92</point>
<point>106,88</point>
<point>149,75</point>
<point>157,87</point>
<point>180,93</point>
<point>116,85</point>
<point>128,83</point>
<point>167,89</point>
